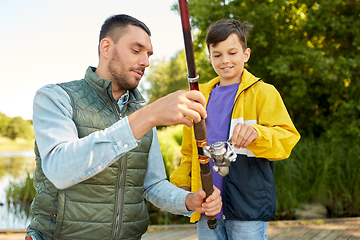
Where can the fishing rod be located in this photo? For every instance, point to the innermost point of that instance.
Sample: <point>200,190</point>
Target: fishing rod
<point>199,128</point>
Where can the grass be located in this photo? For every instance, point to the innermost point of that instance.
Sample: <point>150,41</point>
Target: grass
<point>19,195</point>
<point>7,144</point>
<point>23,191</point>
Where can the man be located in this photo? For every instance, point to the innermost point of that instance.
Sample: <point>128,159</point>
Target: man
<point>97,152</point>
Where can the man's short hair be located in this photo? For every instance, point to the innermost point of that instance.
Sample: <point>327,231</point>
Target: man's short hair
<point>115,27</point>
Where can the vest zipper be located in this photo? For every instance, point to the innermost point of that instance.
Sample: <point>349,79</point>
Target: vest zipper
<point>118,111</point>
<point>118,210</point>
<point>116,106</point>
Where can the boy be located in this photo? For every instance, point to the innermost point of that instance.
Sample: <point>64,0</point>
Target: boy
<point>242,107</point>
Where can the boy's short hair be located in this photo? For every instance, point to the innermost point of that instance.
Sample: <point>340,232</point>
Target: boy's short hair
<point>222,29</point>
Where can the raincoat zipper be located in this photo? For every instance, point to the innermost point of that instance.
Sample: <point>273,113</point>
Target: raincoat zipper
<point>232,111</point>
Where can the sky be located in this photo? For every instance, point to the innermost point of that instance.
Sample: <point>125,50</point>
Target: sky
<point>44,42</point>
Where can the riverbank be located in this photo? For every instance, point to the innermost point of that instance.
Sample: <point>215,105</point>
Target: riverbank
<point>19,144</point>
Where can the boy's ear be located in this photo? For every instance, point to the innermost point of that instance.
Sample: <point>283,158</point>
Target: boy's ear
<point>210,58</point>
<point>247,54</point>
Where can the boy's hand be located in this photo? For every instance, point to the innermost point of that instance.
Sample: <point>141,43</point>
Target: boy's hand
<point>212,206</point>
<point>243,135</point>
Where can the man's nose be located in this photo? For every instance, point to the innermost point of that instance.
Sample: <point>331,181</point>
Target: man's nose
<point>144,60</point>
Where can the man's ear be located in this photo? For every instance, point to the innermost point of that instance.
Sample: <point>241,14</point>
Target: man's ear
<point>105,47</point>
<point>247,54</point>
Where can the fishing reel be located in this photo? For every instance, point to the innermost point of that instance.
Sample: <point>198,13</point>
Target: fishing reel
<point>222,154</point>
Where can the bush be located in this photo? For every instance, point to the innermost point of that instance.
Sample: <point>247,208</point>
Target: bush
<point>170,139</point>
<point>160,217</point>
<point>320,171</point>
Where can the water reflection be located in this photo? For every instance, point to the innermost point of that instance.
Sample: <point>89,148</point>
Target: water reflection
<point>14,167</point>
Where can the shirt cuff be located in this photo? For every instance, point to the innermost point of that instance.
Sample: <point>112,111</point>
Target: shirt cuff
<point>122,136</point>
<point>180,202</point>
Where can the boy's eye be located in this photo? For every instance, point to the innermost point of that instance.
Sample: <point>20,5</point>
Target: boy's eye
<point>217,56</point>
<point>233,53</point>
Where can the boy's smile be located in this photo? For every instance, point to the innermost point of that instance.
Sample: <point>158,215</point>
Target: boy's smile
<point>228,58</point>
<point>227,68</point>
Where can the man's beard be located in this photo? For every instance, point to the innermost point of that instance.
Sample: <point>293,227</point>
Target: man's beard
<point>119,76</point>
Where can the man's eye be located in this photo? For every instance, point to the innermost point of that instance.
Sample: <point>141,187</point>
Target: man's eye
<point>136,51</point>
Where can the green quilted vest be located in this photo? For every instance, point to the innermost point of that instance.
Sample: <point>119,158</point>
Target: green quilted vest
<point>109,205</point>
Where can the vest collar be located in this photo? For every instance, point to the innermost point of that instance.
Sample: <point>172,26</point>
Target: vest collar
<point>104,86</point>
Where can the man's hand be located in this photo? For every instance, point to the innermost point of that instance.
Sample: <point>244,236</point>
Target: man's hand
<point>176,108</point>
<point>243,135</point>
<point>212,205</point>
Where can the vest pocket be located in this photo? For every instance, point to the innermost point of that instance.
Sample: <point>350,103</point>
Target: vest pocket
<point>60,214</point>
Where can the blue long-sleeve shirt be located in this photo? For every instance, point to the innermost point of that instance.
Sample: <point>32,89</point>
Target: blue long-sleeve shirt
<point>68,160</point>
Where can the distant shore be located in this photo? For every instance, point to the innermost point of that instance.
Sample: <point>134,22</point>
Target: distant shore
<point>19,144</point>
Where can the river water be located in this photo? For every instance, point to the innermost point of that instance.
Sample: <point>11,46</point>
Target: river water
<point>14,167</point>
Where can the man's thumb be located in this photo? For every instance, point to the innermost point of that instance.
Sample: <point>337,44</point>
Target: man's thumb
<point>202,194</point>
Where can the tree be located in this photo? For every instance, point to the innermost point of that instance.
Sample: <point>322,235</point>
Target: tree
<point>165,79</point>
<point>309,50</point>
<point>169,76</point>
<point>4,122</point>
<point>18,128</point>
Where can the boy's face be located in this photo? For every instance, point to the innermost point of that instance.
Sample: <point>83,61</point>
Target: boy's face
<point>228,58</point>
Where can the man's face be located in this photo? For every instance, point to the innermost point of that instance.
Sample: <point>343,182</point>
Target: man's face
<point>129,58</point>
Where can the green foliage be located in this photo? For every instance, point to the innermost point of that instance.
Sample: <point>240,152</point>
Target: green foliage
<point>23,191</point>
<point>4,123</point>
<point>309,50</point>
<point>18,128</point>
<point>159,217</point>
<point>170,139</point>
<point>320,171</point>
<point>19,197</point>
<point>203,66</point>
<point>15,127</point>
<point>166,77</point>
